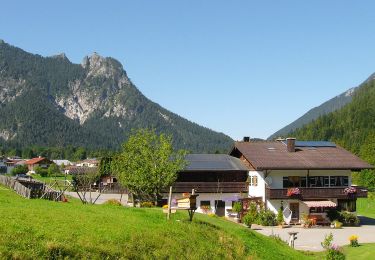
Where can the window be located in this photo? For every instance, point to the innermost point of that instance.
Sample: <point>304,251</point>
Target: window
<point>294,181</point>
<point>318,210</point>
<point>339,181</point>
<point>205,203</point>
<point>253,181</point>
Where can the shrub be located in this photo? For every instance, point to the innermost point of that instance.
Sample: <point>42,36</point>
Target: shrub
<point>349,219</point>
<point>53,170</point>
<point>327,242</point>
<point>42,172</point>
<point>237,207</point>
<point>249,219</point>
<point>251,216</point>
<point>267,218</point>
<point>335,253</point>
<point>280,217</point>
<point>147,204</point>
<point>20,169</point>
<point>353,241</point>
<point>113,202</point>
<point>333,214</point>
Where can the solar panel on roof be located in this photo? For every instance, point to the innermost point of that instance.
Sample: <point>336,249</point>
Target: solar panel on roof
<point>313,144</point>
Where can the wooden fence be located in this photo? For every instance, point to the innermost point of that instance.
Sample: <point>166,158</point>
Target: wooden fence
<point>30,189</point>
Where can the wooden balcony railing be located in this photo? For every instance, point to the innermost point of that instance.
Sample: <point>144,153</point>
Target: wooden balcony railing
<point>316,193</point>
<point>210,187</point>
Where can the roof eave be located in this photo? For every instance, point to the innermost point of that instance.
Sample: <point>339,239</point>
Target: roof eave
<point>314,168</point>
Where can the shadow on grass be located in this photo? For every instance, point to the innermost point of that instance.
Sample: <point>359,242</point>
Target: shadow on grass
<point>204,223</point>
<point>367,221</point>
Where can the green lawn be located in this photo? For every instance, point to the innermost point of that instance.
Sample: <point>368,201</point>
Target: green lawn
<point>363,252</point>
<point>366,207</point>
<point>51,179</point>
<point>35,229</point>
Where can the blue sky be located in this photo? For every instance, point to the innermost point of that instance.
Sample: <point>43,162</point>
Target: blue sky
<point>245,68</point>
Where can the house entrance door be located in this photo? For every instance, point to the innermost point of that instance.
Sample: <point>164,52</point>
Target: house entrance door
<point>294,207</point>
<point>220,208</point>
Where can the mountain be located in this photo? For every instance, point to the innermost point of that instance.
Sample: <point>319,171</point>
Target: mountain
<point>50,101</point>
<point>352,126</point>
<point>325,108</point>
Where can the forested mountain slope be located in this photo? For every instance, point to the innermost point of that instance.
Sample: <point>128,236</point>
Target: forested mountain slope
<point>49,101</point>
<point>325,108</point>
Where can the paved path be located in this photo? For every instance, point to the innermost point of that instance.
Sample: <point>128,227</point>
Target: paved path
<point>310,238</point>
<point>103,197</point>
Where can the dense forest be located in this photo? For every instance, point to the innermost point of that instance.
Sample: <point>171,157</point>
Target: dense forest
<point>35,89</point>
<point>352,127</point>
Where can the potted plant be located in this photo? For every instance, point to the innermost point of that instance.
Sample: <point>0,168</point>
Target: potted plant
<point>206,209</point>
<point>306,222</point>
<point>293,192</point>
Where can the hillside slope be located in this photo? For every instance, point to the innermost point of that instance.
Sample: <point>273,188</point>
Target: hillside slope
<point>352,126</point>
<point>325,108</point>
<point>51,230</point>
<point>49,101</point>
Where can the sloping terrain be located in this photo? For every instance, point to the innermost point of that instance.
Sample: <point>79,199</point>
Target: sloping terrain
<point>46,229</point>
<point>325,108</point>
<point>49,101</point>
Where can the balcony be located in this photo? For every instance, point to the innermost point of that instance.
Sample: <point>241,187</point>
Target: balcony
<point>316,193</point>
<point>210,187</point>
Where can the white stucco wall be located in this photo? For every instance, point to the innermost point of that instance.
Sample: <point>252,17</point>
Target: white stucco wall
<point>228,198</point>
<point>259,190</point>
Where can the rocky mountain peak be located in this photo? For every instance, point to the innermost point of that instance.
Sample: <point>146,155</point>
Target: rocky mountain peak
<point>98,65</point>
<point>60,56</point>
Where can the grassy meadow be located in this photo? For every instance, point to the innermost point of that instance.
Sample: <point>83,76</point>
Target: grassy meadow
<point>34,229</point>
<point>366,206</point>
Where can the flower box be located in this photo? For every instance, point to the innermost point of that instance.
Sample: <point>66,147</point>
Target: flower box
<point>350,190</point>
<point>293,192</point>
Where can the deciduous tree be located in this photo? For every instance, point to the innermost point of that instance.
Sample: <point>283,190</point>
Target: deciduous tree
<point>147,164</point>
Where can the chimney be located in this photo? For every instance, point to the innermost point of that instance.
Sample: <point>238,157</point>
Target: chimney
<point>246,139</point>
<point>291,144</point>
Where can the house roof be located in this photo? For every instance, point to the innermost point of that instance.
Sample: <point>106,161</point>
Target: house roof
<point>36,160</point>
<point>60,162</point>
<point>81,170</point>
<point>274,155</point>
<point>92,161</point>
<point>213,162</point>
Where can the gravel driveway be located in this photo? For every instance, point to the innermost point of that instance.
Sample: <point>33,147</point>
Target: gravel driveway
<point>310,239</point>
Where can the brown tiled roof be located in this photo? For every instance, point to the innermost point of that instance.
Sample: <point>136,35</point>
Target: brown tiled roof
<point>274,155</point>
<point>36,160</point>
<point>81,170</point>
